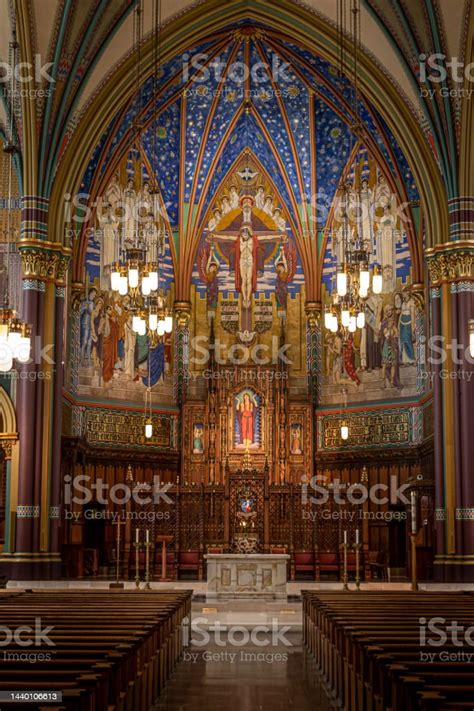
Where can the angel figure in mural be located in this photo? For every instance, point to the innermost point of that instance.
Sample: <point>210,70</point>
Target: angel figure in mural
<point>278,219</point>
<point>234,198</point>
<point>260,197</point>
<point>382,194</point>
<point>208,267</point>
<point>388,236</point>
<point>246,410</point>
<point>108,239</point>
<point>366,217</point>
<point>129,203</point>
<point>113,192</point>
<point>285,268</point>
<point>215,219</point>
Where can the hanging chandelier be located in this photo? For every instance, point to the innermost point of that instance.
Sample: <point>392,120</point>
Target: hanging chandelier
<point>136,274</point>
<point>355,274</point>
<point>15,334</point>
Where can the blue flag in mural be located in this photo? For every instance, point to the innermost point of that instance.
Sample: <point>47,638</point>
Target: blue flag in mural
<point>156,365</point>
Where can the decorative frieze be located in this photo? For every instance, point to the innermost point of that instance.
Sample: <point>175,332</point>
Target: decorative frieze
<point>451,262</point>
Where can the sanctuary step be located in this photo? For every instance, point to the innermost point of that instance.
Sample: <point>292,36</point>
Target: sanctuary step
<point>107,651</point>
<point>376,652</point>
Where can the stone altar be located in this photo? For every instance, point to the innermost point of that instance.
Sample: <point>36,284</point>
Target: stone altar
<point>246,575</point>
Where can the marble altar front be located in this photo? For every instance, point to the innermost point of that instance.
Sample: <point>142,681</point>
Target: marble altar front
<point>246,575</point>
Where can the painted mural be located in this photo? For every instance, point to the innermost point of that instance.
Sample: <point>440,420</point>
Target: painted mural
<point>379,361</point>
<point>247,274</point>
<point>115,361</point>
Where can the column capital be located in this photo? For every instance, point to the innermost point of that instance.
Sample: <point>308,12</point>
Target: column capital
<point>48,261</point>
<point>451,261</point>
<point>313,311</point>
<point>182,310</point>
<point>6,443</point>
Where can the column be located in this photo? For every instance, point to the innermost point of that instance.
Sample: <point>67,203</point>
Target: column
<point>451,271</point>
<point>34,538</point>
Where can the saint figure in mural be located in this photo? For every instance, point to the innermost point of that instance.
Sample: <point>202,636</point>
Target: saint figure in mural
<point>208,267</point>
<point>285,267</point>
<point>390,350</point>
<point>370,352</point>
<point>247,408</point>
<point>198,430</point>
<point>110,344</point>
<point>406,326</point>
<point>85,320</point>
<point>296,446</point>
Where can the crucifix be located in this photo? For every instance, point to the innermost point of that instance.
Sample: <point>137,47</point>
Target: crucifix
<point>247,255</point>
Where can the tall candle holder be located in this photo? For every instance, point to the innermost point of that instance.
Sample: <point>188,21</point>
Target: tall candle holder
<point>138,546</point>
<point>147,545</point>
<point>414,579</point>
<point>345,579</point>
<point>357,547</point>
<point>117,583</point>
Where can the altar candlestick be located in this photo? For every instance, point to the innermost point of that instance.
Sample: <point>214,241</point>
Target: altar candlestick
<point>345,537</point>
<point>413,511</point>
<point>147,535</point>
<point>137,535</point>
<point>357,535</point>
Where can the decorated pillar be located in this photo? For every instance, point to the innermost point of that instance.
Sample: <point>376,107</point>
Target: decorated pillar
<point>182,311</point>
<point>34,541</point>
<point>313,348</point>
<point>451,272</point>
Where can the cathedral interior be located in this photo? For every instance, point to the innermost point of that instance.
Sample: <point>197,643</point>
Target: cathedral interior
<point>236,353</point>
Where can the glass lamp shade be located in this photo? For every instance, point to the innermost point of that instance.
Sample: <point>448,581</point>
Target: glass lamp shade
<point>327,319</point>
<point>341,283</point>
<point>115,281</point>
<point>123,286</point>
<point>142,327</point>
<point>153,322</point>
<point>136,324</point>
<point>133,278</point>
<point>168,324</point>
<point>161,327</point>
<point>345,317</point>
<point>377,284</point>
<point>364,281</point>
<point>334,324</point>
<point>352,324</point>
<point>6,358</point>
<point>363,293</point>
<point>23,349</point>
<point>148,429</point>
<point>3,333</point>
<point>360,319</point>
<point>146,289</point>
<point>153,281</point>
<point>13,340</point>
<point>344,432</point>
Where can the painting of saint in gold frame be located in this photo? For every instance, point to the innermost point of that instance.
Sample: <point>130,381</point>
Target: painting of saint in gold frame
<point>247,434</point>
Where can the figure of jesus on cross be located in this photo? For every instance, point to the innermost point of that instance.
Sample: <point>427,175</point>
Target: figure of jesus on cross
<point>248,253</point>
